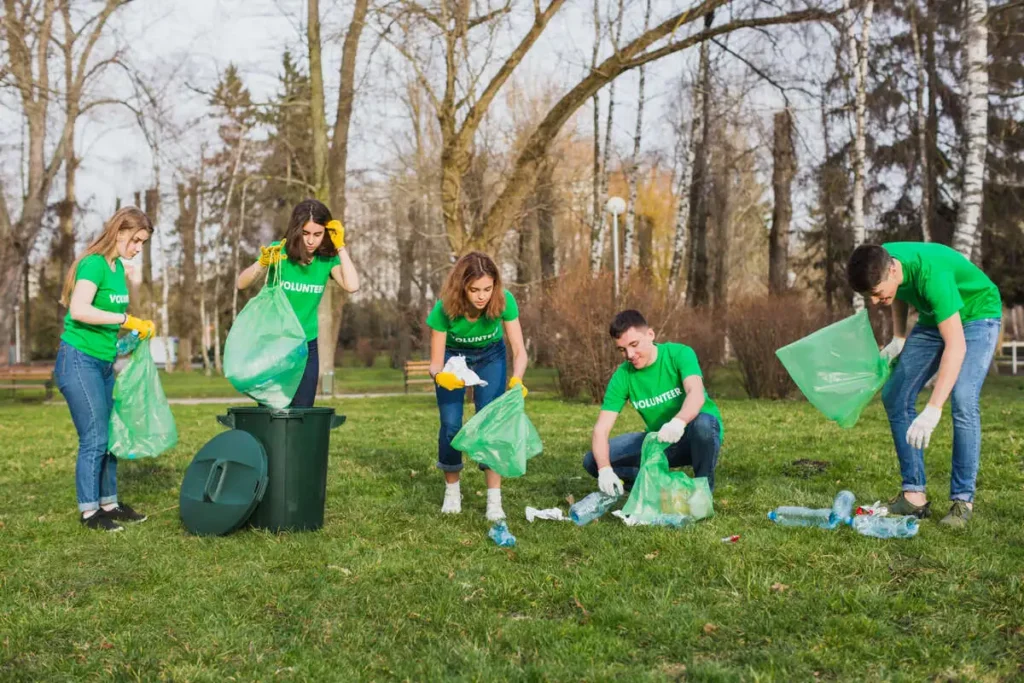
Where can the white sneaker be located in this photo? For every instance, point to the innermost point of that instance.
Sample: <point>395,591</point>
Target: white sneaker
<point>452,504</point>
<point>494,511</point>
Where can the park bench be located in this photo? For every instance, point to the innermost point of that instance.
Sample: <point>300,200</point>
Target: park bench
<point>418,372</point>
<point>15,377</point>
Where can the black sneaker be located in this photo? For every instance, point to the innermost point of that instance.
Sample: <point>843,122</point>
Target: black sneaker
<point>124,513</point>
<point>102,522</point>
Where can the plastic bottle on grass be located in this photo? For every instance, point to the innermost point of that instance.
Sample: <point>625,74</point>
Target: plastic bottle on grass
<point>590,508</point>
<point>790,515</point>
<point>886,527</point>
<point>500,534</point>
<point>843,506</point>
<point>126,344</point>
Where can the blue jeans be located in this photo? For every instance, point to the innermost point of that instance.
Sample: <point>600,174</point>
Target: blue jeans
<point>698,448</point>
<point>87,384</point>
<point>489,363</point>
<point>306,393</point>
<point>917,363</point>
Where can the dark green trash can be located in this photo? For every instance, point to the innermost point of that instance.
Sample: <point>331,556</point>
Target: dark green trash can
<point>296,441</point>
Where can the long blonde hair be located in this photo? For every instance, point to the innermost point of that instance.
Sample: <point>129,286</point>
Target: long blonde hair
<point>105,244</point>
<point>469,268</point>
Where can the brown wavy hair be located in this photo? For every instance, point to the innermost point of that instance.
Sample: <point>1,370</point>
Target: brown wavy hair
<point>469,268</point>
<point>305,211</point>
<point>105,244</point>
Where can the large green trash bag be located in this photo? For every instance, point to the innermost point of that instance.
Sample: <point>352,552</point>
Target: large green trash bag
<point>501,436</point>
<point>265,352</point>
<point>838,368</point>
<point>659,492</point>
<point>141,424</point>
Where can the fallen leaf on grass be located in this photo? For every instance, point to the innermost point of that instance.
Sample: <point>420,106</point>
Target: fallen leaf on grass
<point>710,628</point>
<point>412,473</point>
<point>570,499</point>
<point>779,587</point>
<point>466,542</point>
<point>106,646</point>
<point>344,570</point>
<point>651,556</point>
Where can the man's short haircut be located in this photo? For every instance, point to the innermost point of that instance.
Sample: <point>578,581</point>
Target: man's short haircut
<point>625,320</point>
<point>867,268</point>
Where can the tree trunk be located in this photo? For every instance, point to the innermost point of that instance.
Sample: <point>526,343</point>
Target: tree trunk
<point>338,158</point>
<point>975,106</point>
<point>859,65</point>
<point>545,192</point>
<point>188,215</point>
<point>318,115</point>
<point>922,125</point>
<point>633,170</point>
<point>645,247</point>
<point>596,218</point>
<point>722,208</point>
<point>784,168</point>
<point>697,293</point>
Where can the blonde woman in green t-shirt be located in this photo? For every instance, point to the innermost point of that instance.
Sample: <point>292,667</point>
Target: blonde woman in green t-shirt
<point>471,319</point>
<point>96,295</point>
<point>311,253</point>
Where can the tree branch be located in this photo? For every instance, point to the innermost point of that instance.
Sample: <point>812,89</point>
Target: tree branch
<point>756,70</point>
<point>473,23</point>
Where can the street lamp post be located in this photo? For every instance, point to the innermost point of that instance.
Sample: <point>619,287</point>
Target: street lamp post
<point>615,206</point>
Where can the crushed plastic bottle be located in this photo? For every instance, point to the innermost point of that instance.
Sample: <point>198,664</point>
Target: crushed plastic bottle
<point>886,527</point>
<point>843,506</point>
<point>126,344</point>
<point>590,508</point>
<point>876,509</point>
<point>500,534</point>
<point>554,514</point>
<point>790,515</point>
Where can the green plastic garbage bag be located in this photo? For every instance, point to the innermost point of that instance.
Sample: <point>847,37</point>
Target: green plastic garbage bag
<point>265,352</point>
<point>838,368</point>
<point>501,436</point>
<point>141,424</point>
<point>658,492</point>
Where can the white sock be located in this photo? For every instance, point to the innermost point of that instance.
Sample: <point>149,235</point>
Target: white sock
<point>494,511</point>
<point>452,499</point>
<point>86,514</point>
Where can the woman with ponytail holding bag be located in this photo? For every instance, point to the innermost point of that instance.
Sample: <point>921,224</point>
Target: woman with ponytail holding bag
<point>311,253</point>
<point>96,295</point>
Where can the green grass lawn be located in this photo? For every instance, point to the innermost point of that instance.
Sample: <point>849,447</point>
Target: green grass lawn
<point>390,590</point>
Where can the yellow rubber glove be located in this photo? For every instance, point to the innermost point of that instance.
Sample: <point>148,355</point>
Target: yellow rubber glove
<point>336,231</point>
<point>516,382</point>
<point>145,328</point>
<point>270,256</point>
<point>449,381</point>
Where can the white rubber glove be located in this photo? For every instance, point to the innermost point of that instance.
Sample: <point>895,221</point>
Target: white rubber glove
<point>608,482</point>
<point>920,432</point>
<point>893,349</point>
<point>672,431</point>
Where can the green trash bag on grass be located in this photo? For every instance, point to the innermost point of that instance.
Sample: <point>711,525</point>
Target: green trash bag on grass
<point>501,436</point>
<point>838,368</point>
<point>265,352</point>
<point>141,424</point>
<point>659,492</point>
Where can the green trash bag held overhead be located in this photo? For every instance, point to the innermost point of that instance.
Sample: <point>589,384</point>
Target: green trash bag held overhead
<point>838,368</point>
<point>141,424</point>
<point>658,492</point>
<point>265,352</point>
<point>501,436</point>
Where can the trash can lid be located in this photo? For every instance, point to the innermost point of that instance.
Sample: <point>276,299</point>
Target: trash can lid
<point>224,483</point>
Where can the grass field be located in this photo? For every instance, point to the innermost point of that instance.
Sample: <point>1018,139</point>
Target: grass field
<point>390,590</point>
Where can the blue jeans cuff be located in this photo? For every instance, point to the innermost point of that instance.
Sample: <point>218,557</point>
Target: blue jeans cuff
<point>450,468</point>
<point>914,489</point>
<point>966,497</point>
<point>86,507</point>
<point>108,500</point>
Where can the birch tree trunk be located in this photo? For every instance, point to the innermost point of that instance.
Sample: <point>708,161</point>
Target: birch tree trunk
<point>630,236</point>
<point>975,106</point>
<point>922,123</point>
<point>858,59</point>
<point>697,293</point>
<point>597,222</point>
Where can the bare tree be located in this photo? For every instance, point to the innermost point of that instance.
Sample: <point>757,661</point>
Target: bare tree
<point>975,96</point>
<point>634,161</point>
<point>784,169</point>
<point>28,33</point>
<point>697,292</point>
<point>921,121</point>
<point>857,54</point>
<point>597,247</point>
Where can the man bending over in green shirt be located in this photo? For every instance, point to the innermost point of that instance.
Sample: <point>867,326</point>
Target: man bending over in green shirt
<point>665,385</point>
<point>959,311</point>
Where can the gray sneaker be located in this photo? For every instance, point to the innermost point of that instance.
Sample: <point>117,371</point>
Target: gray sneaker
<point>901,506</point>
<point>958,515</point>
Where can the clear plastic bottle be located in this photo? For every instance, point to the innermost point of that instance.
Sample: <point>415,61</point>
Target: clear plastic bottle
<point>500,534</point>
<point>843,506</point>
<point>790,515</point>
<point>126,344</point>
<point>886,527</point>
<point>590,508</point>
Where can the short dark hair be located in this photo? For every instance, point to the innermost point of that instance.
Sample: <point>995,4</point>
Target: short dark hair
<point>625,320</point>
<point>867,267</point>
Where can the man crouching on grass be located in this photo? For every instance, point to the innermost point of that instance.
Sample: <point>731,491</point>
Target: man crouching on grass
<point>665,385</point>
<point>959,311</point>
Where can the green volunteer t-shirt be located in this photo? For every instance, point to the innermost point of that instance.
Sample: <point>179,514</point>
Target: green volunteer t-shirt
<point>657,390</point>
<point>304,286</point>
<point>99,341</point>
<point>475,334</point>
<point>939,281</point>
